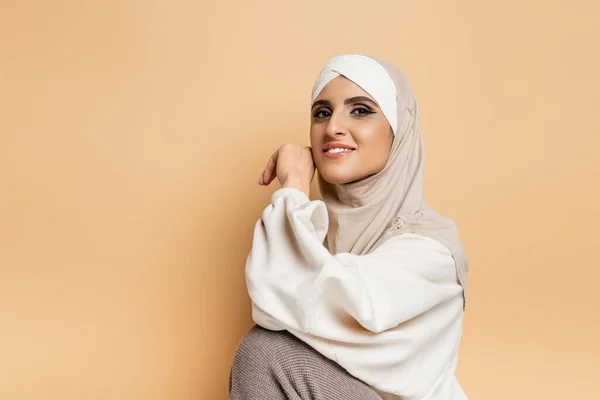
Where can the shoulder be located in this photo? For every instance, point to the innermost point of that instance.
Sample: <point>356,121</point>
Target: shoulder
<point>420,254</point>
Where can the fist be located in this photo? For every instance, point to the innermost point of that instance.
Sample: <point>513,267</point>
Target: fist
<point>292,165</point>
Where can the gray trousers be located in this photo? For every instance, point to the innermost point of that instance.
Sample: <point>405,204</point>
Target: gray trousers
<point>272,365</point>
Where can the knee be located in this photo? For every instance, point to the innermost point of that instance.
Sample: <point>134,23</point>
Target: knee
<point>260,346</point>
<point>259,359</point>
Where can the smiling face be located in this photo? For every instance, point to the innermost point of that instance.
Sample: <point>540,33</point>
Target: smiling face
<point>349,134</point>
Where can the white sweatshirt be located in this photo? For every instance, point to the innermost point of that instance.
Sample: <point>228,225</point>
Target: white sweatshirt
<point>392,318</point>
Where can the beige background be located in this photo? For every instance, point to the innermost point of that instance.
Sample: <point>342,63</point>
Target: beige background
<point>133,134</point>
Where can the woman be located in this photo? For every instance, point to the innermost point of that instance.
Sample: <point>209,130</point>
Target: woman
<point>359,295</point>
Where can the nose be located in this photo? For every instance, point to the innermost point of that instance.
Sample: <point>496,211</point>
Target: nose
<point>336,125</point>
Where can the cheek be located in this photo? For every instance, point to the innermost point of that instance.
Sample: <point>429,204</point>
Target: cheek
<point>315,136</point>
<point>376,143</point>
<point>373,136</point>
<point>316,144</point>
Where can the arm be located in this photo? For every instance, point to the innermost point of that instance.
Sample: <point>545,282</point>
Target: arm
<point>389,316</point>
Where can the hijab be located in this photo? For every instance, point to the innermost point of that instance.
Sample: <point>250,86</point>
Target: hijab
<point>365,213</point>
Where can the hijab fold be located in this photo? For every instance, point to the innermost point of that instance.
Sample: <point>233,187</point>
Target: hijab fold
<point>365,213</point>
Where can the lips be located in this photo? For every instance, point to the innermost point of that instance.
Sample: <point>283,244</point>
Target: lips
<point>337,145</point>
<point>338,153</point>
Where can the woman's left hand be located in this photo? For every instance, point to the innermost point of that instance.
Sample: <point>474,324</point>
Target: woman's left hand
<point>292,165</point>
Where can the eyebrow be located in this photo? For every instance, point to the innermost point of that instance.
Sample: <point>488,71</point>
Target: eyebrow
<point>349,100</point>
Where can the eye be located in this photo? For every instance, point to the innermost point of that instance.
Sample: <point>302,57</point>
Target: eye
<point>319,113</point>
<point>362,111</point>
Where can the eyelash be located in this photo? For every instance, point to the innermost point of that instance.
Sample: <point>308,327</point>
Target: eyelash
<point>366,109</point>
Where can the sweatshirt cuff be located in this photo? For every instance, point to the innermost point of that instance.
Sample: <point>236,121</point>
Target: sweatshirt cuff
<point>298,195</point>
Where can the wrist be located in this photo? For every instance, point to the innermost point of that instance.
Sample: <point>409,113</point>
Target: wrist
<point>296,183</point>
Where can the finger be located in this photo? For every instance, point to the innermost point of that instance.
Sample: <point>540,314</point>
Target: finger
<point>261,179</point>
<point>268,174</point>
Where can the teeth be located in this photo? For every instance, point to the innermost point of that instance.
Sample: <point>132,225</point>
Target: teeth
<point>338,150</point>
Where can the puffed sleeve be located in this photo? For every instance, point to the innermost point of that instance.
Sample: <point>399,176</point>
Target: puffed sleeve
<point>392,318</point>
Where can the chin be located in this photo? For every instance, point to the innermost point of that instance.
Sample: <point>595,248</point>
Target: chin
<point>336,178</point>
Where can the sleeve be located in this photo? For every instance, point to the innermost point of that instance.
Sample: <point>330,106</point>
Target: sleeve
<point>392,318</point>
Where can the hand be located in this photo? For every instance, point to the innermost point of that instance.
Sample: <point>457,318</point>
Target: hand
<point>292,165</point>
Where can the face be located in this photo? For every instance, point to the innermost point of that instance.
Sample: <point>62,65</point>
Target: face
<point>350,137</point>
